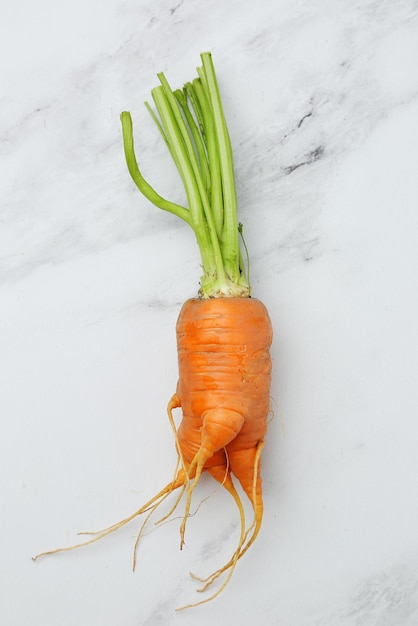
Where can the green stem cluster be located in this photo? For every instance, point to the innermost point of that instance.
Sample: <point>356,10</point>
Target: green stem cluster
<point>192,124</point>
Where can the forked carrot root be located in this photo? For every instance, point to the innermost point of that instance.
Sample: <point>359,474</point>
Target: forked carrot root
<point>183,480</point>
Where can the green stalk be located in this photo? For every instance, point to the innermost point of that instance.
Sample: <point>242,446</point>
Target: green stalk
<point>205,112</point>
<point>179,139</point>
<point>198,141</point>
<point>144,187</point>
<point>230,241</point>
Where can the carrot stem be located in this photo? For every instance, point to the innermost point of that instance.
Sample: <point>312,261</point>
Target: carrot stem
<point>145,188</point>
<point>198,140</point>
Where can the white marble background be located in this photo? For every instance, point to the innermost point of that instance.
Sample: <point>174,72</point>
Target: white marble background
<point>322,103</point>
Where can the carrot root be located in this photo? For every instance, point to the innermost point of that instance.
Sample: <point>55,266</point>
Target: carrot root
<point>101,534</point>
<point>255,526</point>
<point>229,486</point>
<point>224,376</point>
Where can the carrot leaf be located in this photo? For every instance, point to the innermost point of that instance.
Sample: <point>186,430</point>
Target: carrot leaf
<point>193,126</point>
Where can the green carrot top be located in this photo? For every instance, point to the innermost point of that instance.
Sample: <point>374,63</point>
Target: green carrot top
<point>192,124</point>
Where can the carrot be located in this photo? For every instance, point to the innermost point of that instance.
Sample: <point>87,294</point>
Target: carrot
<point>224,335</point>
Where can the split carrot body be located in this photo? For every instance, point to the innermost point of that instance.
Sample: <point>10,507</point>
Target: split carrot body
<point>224,382</point>
<point>223,390</point>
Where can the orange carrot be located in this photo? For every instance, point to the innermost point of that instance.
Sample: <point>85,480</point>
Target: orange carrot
<point>223,337</point>
<point>224,393</point>
<point>224,388</point>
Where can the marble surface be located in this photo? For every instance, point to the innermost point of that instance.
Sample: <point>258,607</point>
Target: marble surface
<point>322,104</point>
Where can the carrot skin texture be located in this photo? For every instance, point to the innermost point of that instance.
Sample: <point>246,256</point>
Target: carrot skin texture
<point>224,382</point>
<point>224,392</point>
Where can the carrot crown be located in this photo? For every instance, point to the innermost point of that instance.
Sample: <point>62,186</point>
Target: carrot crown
<point>192,124</point>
